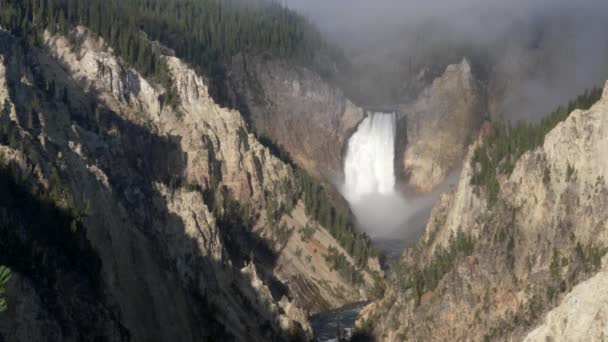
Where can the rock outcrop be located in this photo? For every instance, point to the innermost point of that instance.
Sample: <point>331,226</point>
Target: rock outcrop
<point>175,199</point>
<point>435,130</point>
<point>581,316</point>
<point>313,120</point>
<point>298,110</point>
<point>544,235</point>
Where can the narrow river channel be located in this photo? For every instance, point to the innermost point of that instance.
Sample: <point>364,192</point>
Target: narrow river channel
<point>328,326</point>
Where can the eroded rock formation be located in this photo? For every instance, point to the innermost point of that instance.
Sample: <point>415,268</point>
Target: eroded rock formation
<point>173,202</point>
<point>545,234</point>
<point>437,127</point>
<point>296,108</point>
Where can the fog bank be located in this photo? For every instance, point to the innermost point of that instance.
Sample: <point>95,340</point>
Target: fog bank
<point>531,55</point>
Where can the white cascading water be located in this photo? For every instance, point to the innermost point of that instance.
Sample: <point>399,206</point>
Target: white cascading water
<point>388,216</point>
<point>370,160</point>
<point>369,184</point>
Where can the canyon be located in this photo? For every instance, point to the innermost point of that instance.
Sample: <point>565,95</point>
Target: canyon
<point>218,171</point>
<point>164,190</point>
<point>540,243</point>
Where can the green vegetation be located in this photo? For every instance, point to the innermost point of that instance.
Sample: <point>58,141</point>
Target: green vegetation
<point>426,278</point>
<point>340,263</point>
<point>555,266</point>
<point>321,207</point>
<point>505,144</point>
<point>235,224</point>
<point>205,33</point>
<point>55,195</point>
<point>556,283</point>
<point>37,241</point>
<point>564,273</point>
<point>307,232</point>
<point>110,19</point>
<point>5,276</point>
<point>6,109</point>
<point>570,173</point>
<point>58,219</point>
<point>281,233</point>
<point>590,256</point>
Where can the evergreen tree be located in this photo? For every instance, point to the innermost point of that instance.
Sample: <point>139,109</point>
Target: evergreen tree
<point>505,144</point>
<point>205,33</point>
<point>6,109</point>
<point>5,276</point>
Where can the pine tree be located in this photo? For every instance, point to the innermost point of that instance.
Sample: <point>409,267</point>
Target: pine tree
<point>6,109</point>
<point>5,276</point>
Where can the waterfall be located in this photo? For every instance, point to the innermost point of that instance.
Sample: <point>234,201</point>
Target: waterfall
<point>389,216</point>
<point>370,159</point>
<point>369,185</point>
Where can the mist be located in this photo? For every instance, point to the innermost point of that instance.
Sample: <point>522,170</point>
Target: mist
<point>531,56</point>
<point>528,56</point>
<point>358,21</point>
<point>384,210</point>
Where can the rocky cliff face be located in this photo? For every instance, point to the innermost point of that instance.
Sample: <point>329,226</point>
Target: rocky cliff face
<point>298,110</point>
<point>581,316</point>
<point>546,233</point>
<point>313,120</point>
<point>172,200</point>
<point>437,127</point>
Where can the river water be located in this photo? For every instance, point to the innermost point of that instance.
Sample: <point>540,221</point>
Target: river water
<point>325,325</point>
<point>391,214</point>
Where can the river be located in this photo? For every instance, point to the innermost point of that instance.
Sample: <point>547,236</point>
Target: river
<point>325,325</point>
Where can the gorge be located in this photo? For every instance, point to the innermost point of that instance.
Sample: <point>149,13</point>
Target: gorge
<point>224,170</point>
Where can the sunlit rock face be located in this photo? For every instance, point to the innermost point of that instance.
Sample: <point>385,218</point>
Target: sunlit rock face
<point>439,125</point>
<point>548,218</point>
